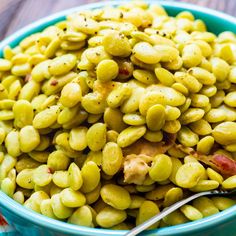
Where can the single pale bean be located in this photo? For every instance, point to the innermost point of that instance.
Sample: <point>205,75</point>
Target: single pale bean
<point>116,44</point>
<point>46,208</point>
<point>25,179</point>
<point>130,135</point>
<point>229,111</point>
<point>113,117</point>
<point>6,115</point>
<point>74,177</point>
<point>19,197</point>
<point>153,112</point>
<point>213,175</point>
<point>41,157</point>
<point>61,178</point>
<point>175,218</point>
<point>201,127</point>
<point>172,126</point>
<point>146,53</point>
<point>115,196</point>
<point>29,138</point>
<point>136,201</point>
<point>205,206</point>
<point>62,65</point>
<point>176,164</point>
<point>191,212</point>
<point>215,115</point>
<point>71,94</point>
<point>12,143</point>
<point>166,53</point>
<point>161,168</point>
<point>144,76</point>
<point>192,55</point>
<point>6,104</point>
<point>172,113</point>
<point>57,160</point>
<point>202,75</point>
<point>209,90</point>
<point>205,144</point>
<point>40,71</point>
<point>187,137</point>
<point>199,100</point>
<point>5,64</point>
<point>23,113</point>
<point>77,139</point>
<point>222,203</point>
<point>134,119</point>
<point>93,103</point>
<point>230,182</point>
<point>91,177</point>
<point>109,217</point>
<point>145,188</point>
<point>8,186</point>
<point>29,90</point>
<point>93,196</point>
<point>180,88</point>
<point>147,210</point>
<point>46,118</point>
<point>96,136</point>
<point>82,216</point>
<point>112,158</point>
<point>205,185</point>
<point>153,136</point>
<point>191,115</point>
<point>103,67</point>
<point>118,96</point>
<point>230,99</point>
<point>60,211</point>
<point>220,68</point>
<point>189,174</point>
<point>172,196</point>
<point>164,76</point>
<point>72,198</point>
<point>42,175</point>
<point>225,133</point>
<point>185,106</point>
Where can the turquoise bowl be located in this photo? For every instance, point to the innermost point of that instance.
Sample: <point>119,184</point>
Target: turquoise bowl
<point>30,223</point>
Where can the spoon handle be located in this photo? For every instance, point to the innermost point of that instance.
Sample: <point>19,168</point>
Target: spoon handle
<point>136,230</point>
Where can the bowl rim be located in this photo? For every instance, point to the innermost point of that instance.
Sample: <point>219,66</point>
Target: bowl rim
<point>33,217</point>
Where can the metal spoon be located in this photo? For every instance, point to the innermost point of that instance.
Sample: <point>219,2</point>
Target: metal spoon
<point>138,229</point>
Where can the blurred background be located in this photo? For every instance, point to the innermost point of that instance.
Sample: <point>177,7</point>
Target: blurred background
<point>14,14</point>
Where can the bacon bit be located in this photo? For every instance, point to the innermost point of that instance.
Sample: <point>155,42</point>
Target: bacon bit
<point>2,221</point>
<point>224,164</point>
<point>123,71</point>
<point>28,77</point>
<point>49,171</point>
<point>54,82</point>
<point>219,162</point>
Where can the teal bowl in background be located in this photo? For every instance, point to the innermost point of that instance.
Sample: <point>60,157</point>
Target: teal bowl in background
<point>29,223</point>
